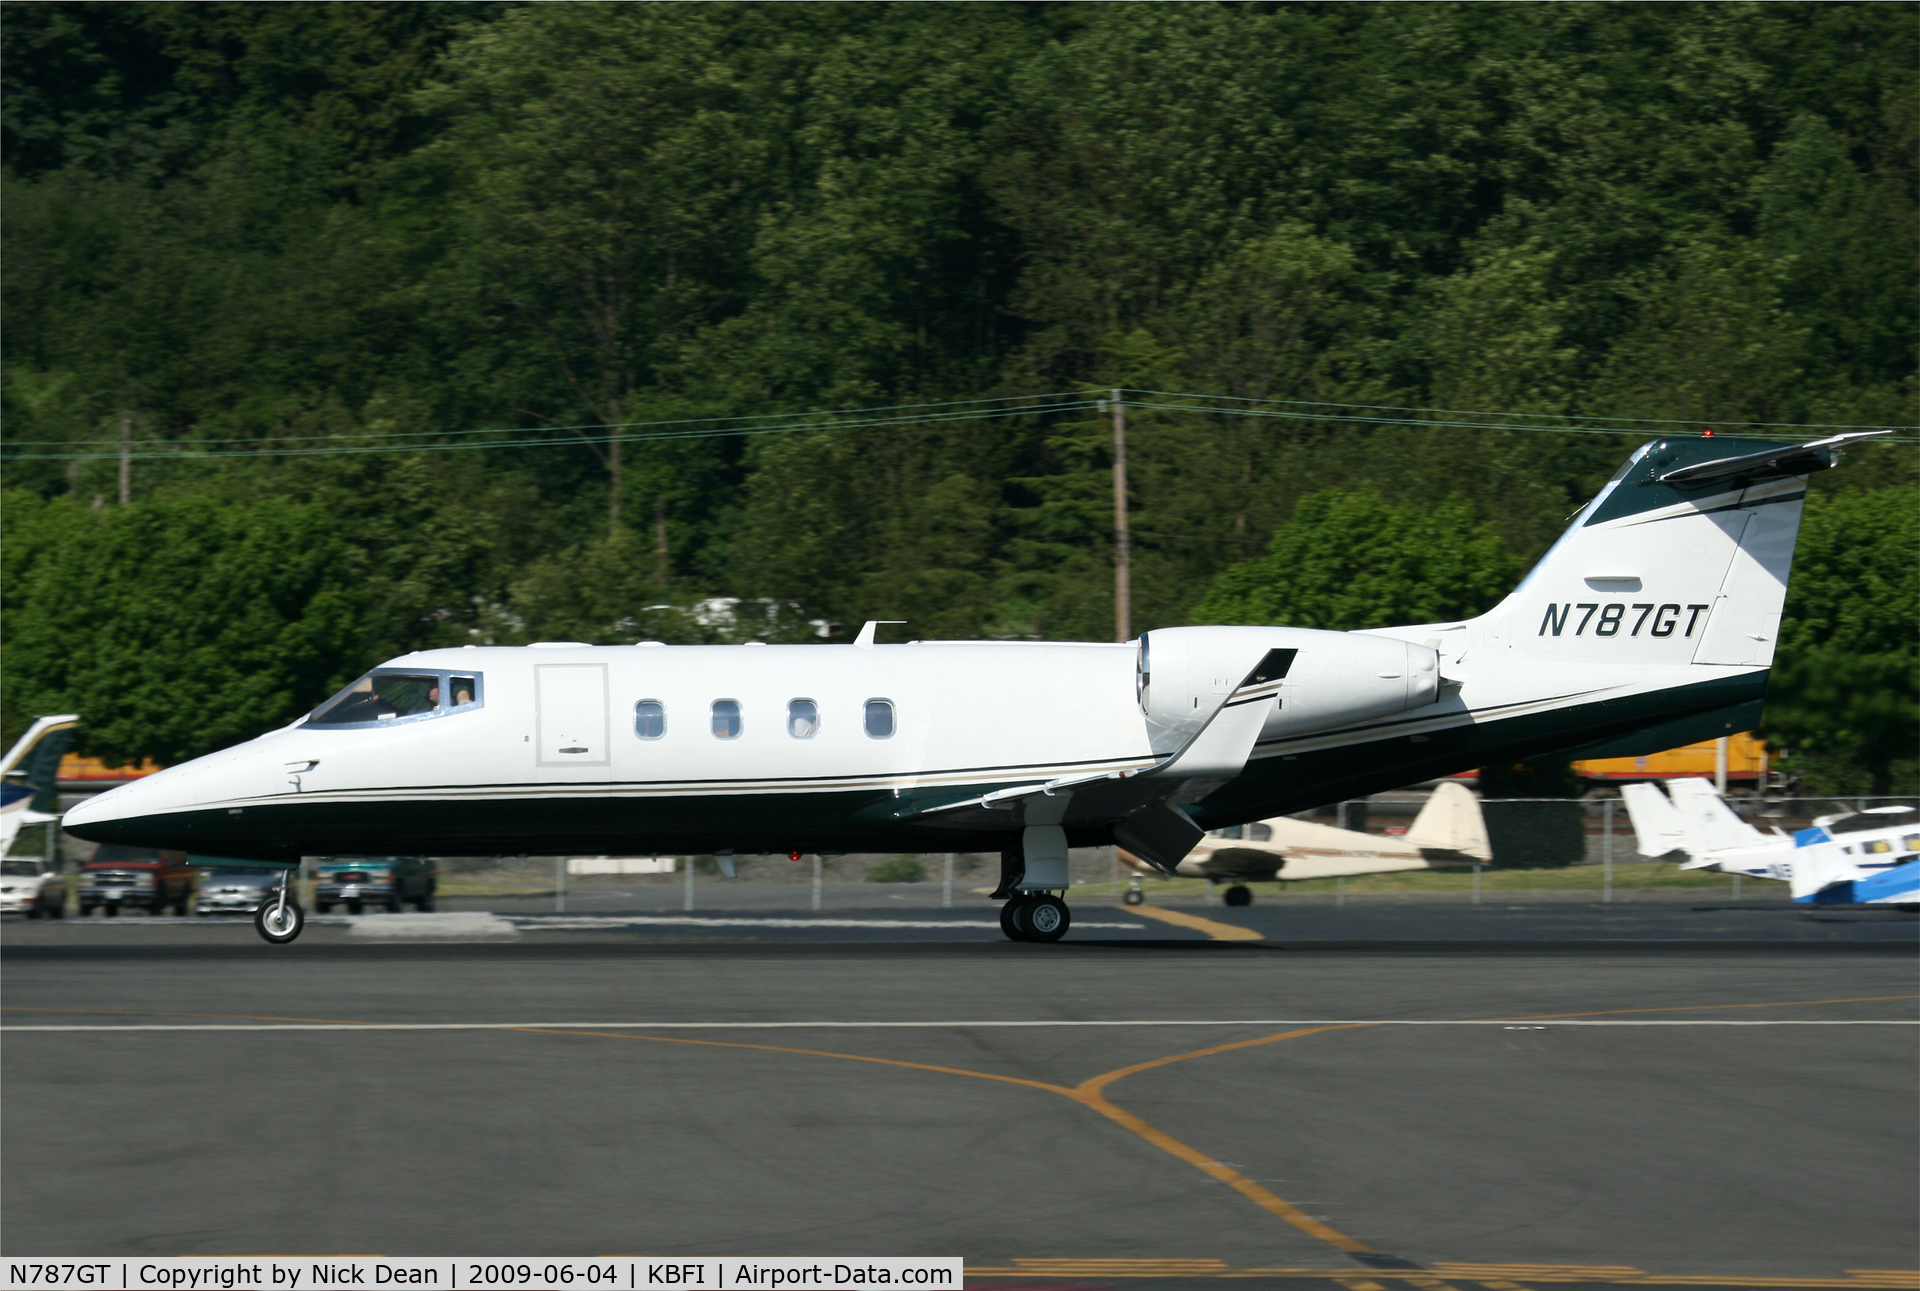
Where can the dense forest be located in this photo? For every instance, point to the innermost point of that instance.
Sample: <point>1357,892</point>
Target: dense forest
<point>335,330</point>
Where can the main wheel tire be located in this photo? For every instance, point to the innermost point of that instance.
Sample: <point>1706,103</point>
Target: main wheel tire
<point>113,909</point>
<point>1238,894</point>
<point>1134,896</point>
<point>354,907</point>
<point>1013,919</point>
<point>276,925</point>
<point>396,904</point>
<point>425,904</point>
<point>1047,919</point>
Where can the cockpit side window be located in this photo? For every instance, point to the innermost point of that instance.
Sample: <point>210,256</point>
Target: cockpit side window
<point>382,697</point>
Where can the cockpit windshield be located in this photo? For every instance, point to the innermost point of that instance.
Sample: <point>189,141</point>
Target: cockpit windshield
<point>393,696</point>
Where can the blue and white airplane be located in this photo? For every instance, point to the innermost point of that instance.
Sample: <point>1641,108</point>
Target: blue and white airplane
<point>1869,857</point>
<point>29,787</point>
<point>1649,624</point>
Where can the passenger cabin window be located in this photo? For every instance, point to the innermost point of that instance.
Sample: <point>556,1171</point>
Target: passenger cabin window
<point>880,719</point>
<point>1232,831</point>
<point>1260,833</point>
<point>649,719</point>
<point>1879,845</point>
<point>1911,842</point>
<point>803,719</point>
<point>382,697</point>
<point>726,719</point>
<point>464,691</point>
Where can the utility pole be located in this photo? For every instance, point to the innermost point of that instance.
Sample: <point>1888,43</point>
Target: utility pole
<point>1122,537</point>
<point>126,439</point>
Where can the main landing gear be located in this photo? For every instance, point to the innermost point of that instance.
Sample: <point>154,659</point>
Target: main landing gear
<point>279,918</point>
<point>1035,916</point>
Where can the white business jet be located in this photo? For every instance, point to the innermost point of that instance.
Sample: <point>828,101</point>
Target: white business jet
<point>1649,624</point>
<point>1869,857</point>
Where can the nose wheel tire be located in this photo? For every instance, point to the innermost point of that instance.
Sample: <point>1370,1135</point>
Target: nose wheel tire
<point>1238,894</point>
<point>279,924</point>
<point>1134,896</point>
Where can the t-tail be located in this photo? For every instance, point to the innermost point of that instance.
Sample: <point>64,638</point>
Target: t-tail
<point>1658,611</point>
<point>1649,625</point>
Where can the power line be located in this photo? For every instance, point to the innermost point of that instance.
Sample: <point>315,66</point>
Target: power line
<point>963,410</point>
<point>1466,412</point>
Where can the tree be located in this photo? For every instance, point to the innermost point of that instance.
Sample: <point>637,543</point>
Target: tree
<point>1349,560</point>
<point>174,628</point>
<point>1845,693</point>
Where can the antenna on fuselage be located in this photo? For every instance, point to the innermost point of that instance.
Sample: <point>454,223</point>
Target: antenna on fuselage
<point>865,640</point>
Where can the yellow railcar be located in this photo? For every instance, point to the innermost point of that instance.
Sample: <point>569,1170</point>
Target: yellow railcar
<point>1746,762</point>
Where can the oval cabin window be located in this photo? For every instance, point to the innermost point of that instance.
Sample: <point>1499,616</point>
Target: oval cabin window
<point>649,719</point>
<point>726,719</point>
<point>803,719</point>
<point>880,719</point>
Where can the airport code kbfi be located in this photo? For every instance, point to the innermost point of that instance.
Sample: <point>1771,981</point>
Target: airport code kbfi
<point>213,1273</point>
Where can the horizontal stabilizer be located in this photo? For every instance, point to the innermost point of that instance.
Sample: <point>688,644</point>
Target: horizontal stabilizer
<point>1771,463</point>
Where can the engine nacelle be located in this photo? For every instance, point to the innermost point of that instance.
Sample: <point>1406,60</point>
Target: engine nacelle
<point>1328,680</point>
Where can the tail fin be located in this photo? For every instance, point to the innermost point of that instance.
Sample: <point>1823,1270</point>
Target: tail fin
<point>1681,559</point>
<point>1657,610</point>
<point>29,783</point>
<point>1657,827</point>
<point>1710,824</point>
<point>1451,822</point>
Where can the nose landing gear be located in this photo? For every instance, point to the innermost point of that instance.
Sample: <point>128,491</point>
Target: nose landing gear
<point>279,918</point>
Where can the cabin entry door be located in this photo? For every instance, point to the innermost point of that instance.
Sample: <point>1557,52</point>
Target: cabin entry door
<point>570,702</point>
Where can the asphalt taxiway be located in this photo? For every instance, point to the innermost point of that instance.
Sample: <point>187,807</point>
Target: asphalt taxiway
<point>1441,1096</point>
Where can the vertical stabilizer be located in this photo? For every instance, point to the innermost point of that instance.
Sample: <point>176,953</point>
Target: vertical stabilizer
<point>1451,821</point>
<point>1710,824</point>
<point>1681,559</point>
<point>1657,827</point>
<point>29,776</point>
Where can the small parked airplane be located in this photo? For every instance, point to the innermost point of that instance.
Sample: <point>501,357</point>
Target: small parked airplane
<point>1869,857</point>
<point>29,776</point>
<point>1649,624</point>
<point>1448,830</point>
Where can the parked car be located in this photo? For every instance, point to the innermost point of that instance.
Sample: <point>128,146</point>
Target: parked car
<point>386,881</point>
<point>233,891</point>
<point>137,878</point>
<point>29,886</point>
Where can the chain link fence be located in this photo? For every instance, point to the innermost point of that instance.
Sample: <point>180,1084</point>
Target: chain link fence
<point>1544,849</point>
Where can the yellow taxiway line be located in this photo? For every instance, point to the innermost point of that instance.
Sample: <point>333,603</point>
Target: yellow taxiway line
<point>1212,927</point>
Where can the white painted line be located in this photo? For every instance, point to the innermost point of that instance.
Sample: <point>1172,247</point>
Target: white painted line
<point>803,1026</point>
